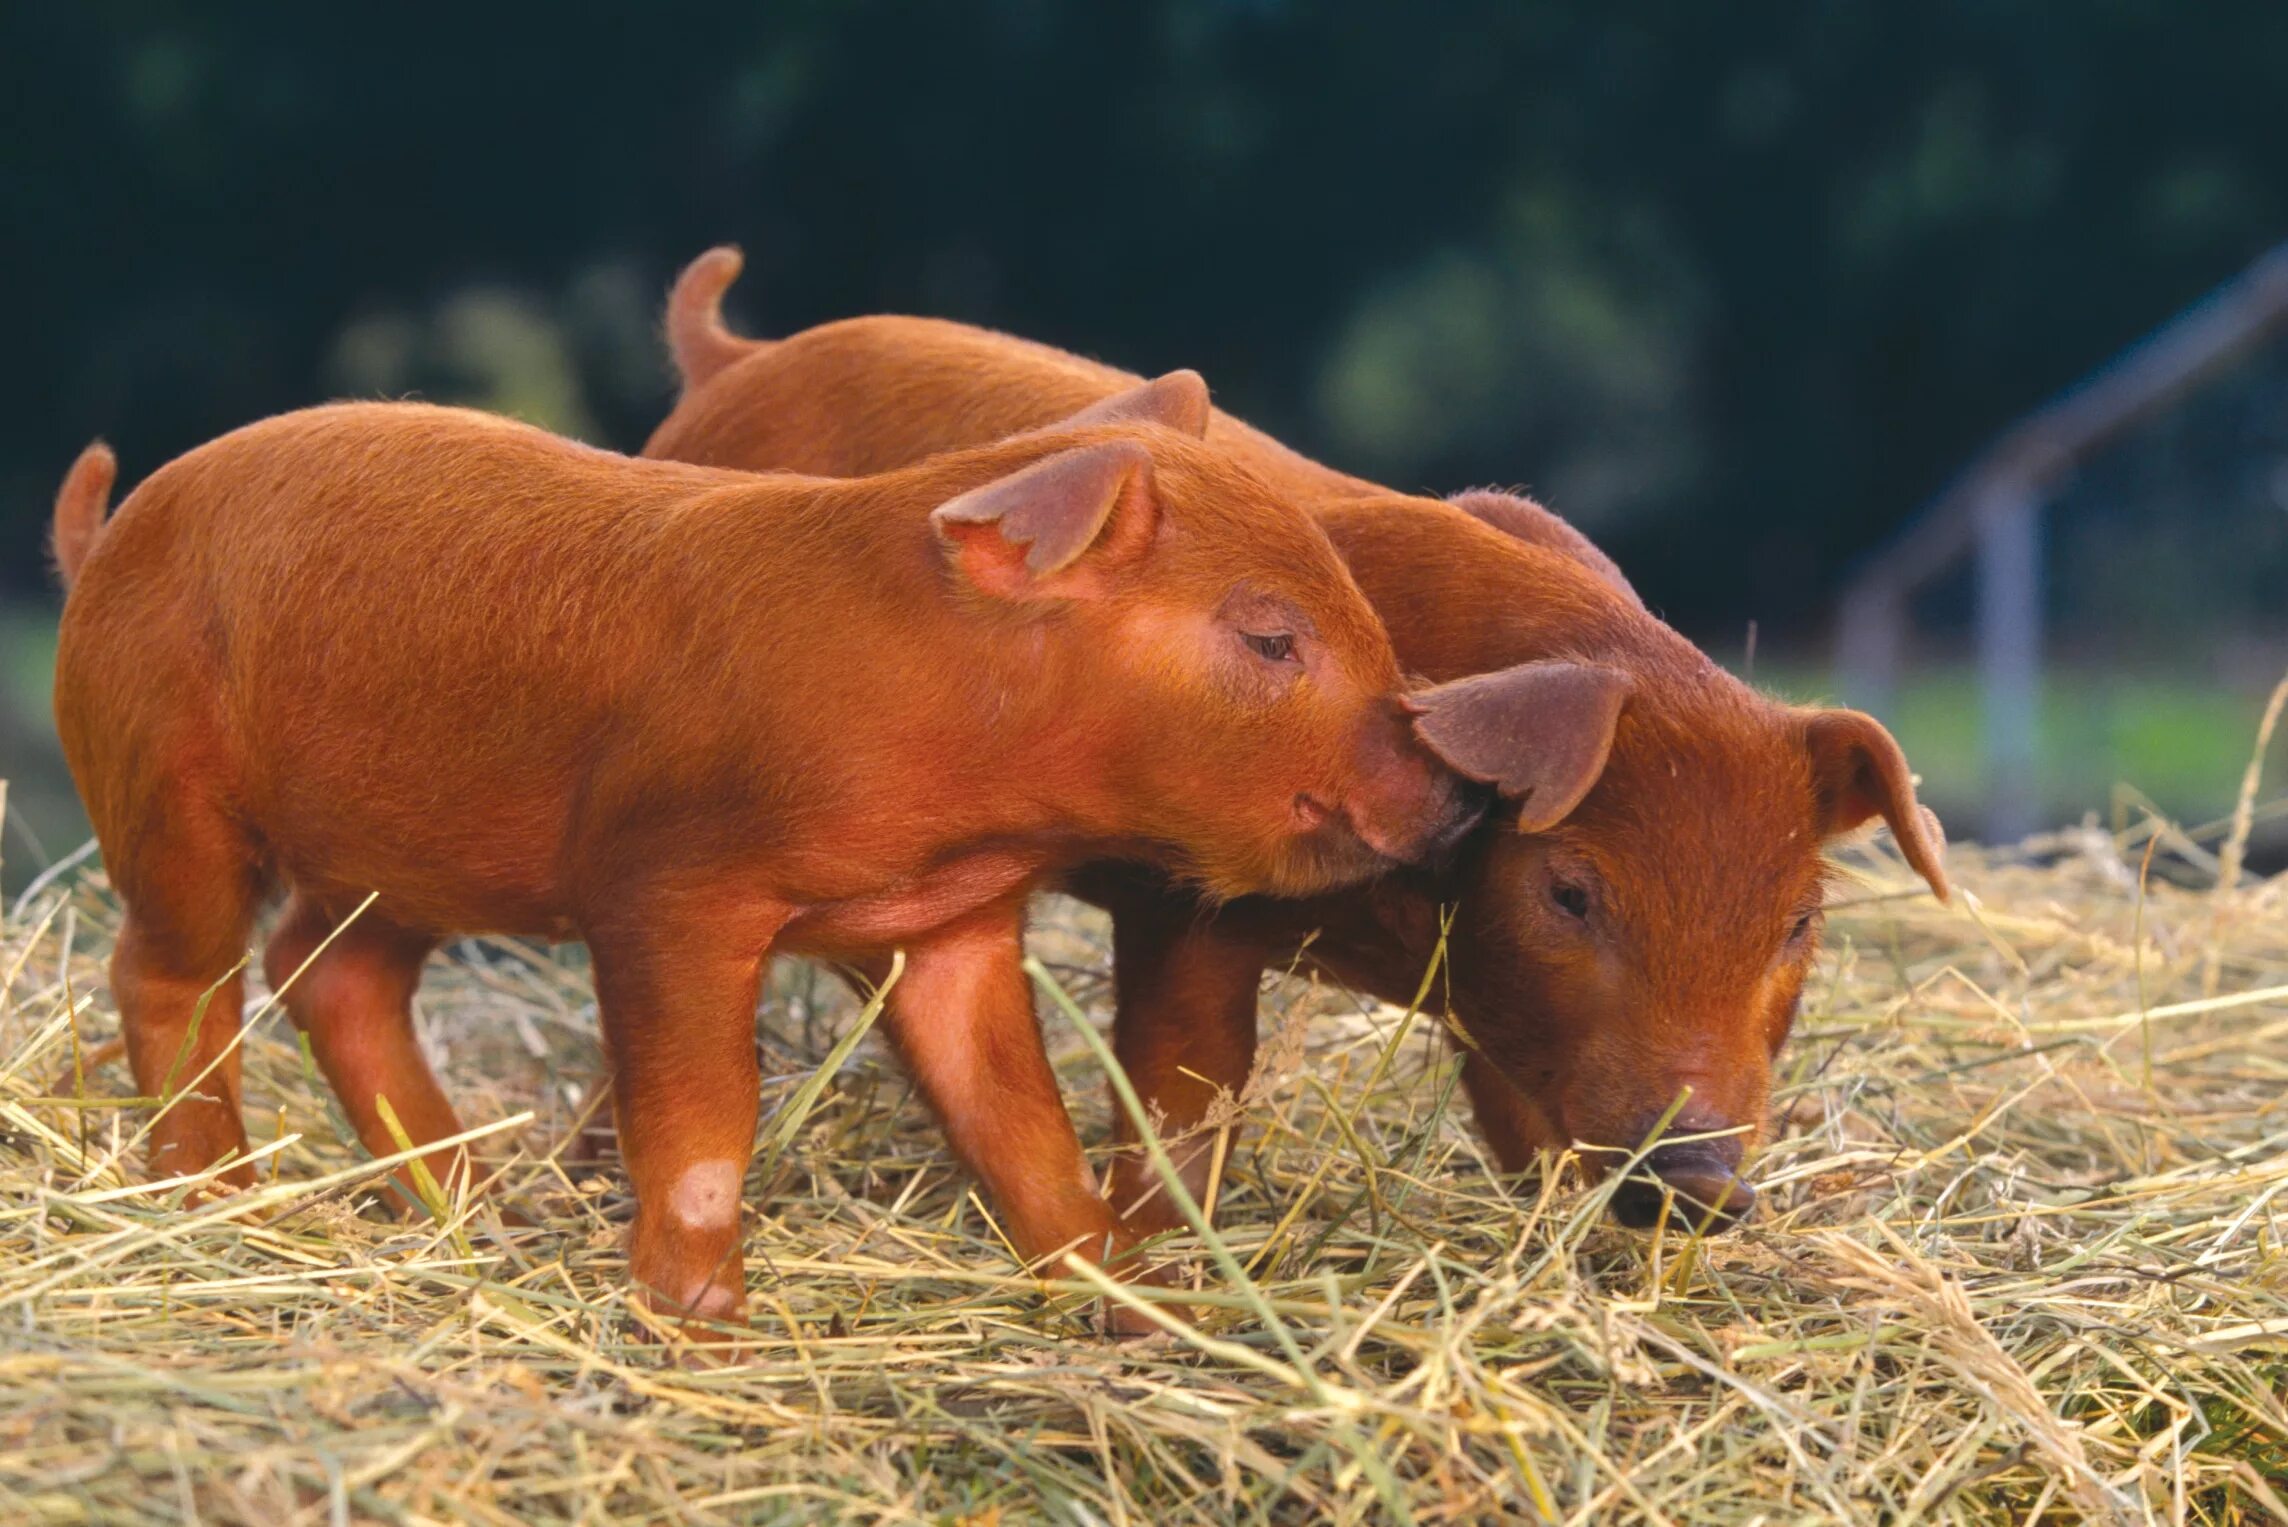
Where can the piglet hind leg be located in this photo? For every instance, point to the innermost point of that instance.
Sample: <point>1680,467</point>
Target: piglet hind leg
<point>677,1000</point>
<point>1184,1031</point>
<point>190,881</point>
<point>348,982</point>
<point>963,1018</point>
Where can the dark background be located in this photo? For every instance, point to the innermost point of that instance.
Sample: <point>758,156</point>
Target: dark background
<point>1736,287</point>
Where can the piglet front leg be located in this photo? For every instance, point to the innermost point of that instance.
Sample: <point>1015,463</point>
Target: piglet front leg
<point>677,1002</point>
<point>963,1017</point>
<point>1515,1129</point>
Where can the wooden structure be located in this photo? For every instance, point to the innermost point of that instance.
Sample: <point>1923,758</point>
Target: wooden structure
<point>1993,512</point>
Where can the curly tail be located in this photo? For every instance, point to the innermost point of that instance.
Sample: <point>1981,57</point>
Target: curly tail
<point>81,504</point>
<point>695,332</point>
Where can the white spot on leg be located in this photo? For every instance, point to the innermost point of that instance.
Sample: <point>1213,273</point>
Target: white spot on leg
<point>706,1196</point>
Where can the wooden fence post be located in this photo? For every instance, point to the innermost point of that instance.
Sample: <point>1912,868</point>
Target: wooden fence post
<point>1993,510</point>
<point>2009,552</point>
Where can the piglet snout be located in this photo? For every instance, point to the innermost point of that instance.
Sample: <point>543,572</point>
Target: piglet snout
<point>1408,807</point>
<point>1697,1181</point>
<point>1466,805</point>
<point>1451,809</point>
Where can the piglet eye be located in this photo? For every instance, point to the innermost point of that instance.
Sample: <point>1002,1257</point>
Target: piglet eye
<point>1278,647</point>
<point>1570,898</point>
<point>1802,928</point>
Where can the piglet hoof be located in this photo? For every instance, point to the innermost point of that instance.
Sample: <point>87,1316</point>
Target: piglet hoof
<point>699,1348</point>
<point>686,1267</point>
<point>1125,1322</point>
<point>695,1338</point>
<point>220,1188</point>
<point>195,1138</point>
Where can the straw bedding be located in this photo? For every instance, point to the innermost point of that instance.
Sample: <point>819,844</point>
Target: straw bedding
<point>2020,1259</point>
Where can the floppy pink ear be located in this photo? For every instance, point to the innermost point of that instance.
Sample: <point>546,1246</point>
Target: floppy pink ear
<point>1050,530</point>
<point>1539,732</point>
<point>1178,400</point>
<point>1858,773</point>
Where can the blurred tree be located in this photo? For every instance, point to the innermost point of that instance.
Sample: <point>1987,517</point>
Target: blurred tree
<point>1739,284</point>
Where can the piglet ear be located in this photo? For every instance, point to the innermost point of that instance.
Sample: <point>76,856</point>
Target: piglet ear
<point>1520,517</point>
<point>1178,400</point>
<point>1539,733</point>
<point>1858,773</point>
<point>1053,529</point>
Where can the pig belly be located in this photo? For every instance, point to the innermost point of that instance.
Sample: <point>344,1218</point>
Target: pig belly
<point>910,909</point>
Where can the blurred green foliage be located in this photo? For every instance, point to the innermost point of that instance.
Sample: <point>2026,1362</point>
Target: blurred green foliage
<point>1735,285</point>
<point>2180,745</point>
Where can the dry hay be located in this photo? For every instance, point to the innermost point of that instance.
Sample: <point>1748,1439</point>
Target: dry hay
<point>2019,1260</point>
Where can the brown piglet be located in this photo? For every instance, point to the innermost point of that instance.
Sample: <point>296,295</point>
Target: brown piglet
<point>508,683</point>
<point>1632,928</point>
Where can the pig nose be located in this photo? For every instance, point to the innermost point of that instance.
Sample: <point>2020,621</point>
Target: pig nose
<point>1465,807</point>
<point>1438,825</point>
<point>1694,1186</point>
<point>1701,1176</point>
